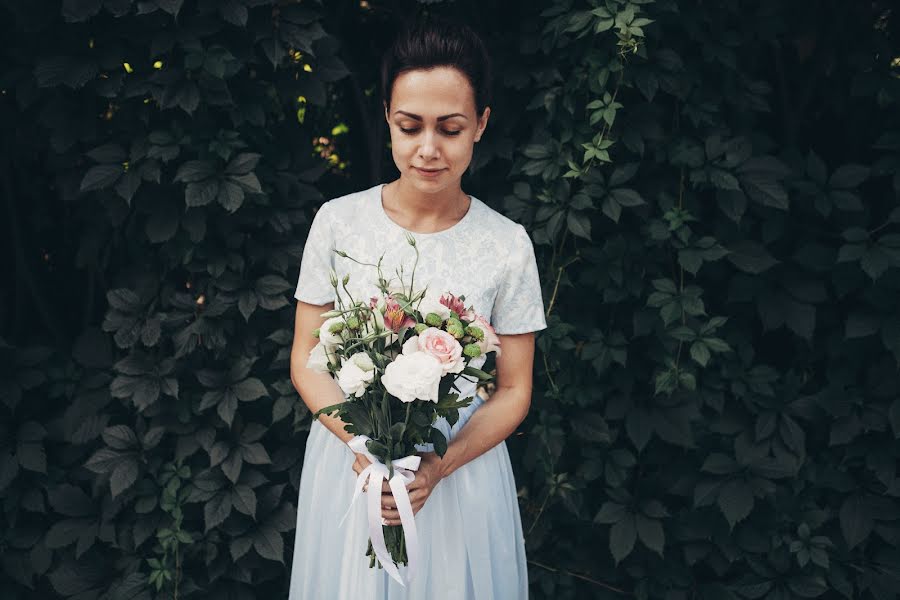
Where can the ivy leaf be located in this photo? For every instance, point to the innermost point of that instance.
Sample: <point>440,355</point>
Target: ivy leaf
<point>751,257</point>
<point>700,353</point>
<point>243,163</point>
<point>256,454</point>
<point>579,224</point>
<point>856,521</point>
<point>626,197</point>
<point>120,437</point>
<point>622,536</point>
<point>269,543</point>
<point>239,547</point>
<point>609,513</point>
<point>194,171</point>
<point>250,389</point>
<point>247,303</point>
<point>100,177</point>
<point>736,501</point>
<point>244,500</point>
<point>639,427</point>
<point>217,509</point>
<point>201,193</point>
<point>123,476</point>
<point>232,465</point>
<point>848,176</point>
<point>651,533</point>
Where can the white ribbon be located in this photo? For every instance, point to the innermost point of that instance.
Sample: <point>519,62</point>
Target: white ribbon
<point>374,474</point>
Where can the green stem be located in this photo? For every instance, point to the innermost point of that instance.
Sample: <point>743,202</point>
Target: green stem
<point>412,277</point>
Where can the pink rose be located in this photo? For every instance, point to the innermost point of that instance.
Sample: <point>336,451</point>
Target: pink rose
<point>490,343</point>
<point>441,345</point>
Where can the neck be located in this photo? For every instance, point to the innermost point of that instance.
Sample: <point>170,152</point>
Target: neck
<point>422,211</point>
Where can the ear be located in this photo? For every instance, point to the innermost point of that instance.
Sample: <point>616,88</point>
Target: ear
<point>482,123</point>
<point>387,116</point>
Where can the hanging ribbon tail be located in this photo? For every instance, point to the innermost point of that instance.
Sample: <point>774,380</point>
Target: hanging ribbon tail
<point>358,488</point>
<point>398,487</point>
<point>374,474</point>
<point>358,444</point>
<point>376,533</point>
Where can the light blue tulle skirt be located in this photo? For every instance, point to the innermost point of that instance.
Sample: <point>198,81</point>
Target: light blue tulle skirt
<point>470,530</point>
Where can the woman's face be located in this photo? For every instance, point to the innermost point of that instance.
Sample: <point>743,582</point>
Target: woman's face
<point>433,126</point>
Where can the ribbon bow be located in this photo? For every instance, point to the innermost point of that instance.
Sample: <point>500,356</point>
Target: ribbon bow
<point>375,473</point>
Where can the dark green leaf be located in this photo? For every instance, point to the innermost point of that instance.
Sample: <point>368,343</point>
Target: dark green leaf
<point>622,536</point>
<point>856,522</point>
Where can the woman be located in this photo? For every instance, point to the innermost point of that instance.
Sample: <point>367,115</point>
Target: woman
<point>435,85</point>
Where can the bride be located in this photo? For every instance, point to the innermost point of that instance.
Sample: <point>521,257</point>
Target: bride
<point>436,88</point>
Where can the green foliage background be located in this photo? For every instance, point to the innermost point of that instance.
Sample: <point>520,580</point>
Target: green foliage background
<point>712,190</point>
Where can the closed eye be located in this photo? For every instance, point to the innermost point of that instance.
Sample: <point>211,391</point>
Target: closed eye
<point>414,131</point>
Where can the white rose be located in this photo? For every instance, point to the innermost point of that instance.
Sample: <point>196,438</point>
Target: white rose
<point>432,304</point>
<point>413,376</point>
<point>411,345</point>
<point>356,374</point>
<point>330,340</point>
<point>318,359</point>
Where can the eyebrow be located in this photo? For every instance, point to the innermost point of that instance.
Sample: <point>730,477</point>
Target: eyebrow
<point>419,117</point>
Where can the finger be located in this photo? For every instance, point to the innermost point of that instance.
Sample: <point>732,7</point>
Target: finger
<point>390,513</point>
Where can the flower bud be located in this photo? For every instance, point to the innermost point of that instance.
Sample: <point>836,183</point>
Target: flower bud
<point>475,332</point>
<point>353,323</point>
<point>332,276</point>
<point>340,253</point>
<point>346,279</point>
<point>455,328</point>
<point>330,313</point>
<point>336,327</point>
<point>434,320</point>
<point>472,350</point>
<point>316,332</point>
<point>420,327</point>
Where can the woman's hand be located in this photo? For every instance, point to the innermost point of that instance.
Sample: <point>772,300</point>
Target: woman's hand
<point>361,463</point>
<point>427,477</point>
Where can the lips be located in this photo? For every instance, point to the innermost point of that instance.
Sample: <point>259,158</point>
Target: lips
<point>429,173</point>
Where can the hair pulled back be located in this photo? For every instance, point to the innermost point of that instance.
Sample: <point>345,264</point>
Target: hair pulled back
<point>437,41</point>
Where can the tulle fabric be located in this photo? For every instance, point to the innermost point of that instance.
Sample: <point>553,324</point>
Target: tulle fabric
<point>470,530</point>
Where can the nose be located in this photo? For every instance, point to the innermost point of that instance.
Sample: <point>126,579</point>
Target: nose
<point>428,149</point>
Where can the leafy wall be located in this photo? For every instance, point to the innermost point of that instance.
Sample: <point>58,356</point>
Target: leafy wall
<point>712,190</point>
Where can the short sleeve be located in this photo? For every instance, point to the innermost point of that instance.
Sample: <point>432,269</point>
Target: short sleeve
<point>314,282</point>
<point>519,306</point>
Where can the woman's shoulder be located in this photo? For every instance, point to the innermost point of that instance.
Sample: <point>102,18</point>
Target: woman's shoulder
<point>497,223</point>
<point>348,204</point>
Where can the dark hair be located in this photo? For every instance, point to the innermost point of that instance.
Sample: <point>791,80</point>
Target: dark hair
<point>438,41</point>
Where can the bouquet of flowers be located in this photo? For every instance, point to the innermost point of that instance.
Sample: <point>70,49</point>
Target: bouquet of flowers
<point>397,357</point>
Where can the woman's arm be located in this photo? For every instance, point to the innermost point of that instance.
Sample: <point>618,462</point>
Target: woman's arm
<point>318,390</point>
<point>498,417</point>
<point>490,424</point>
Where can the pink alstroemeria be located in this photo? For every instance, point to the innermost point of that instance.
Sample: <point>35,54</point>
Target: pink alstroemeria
<point>457,306</point>
<point>394,317</point>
